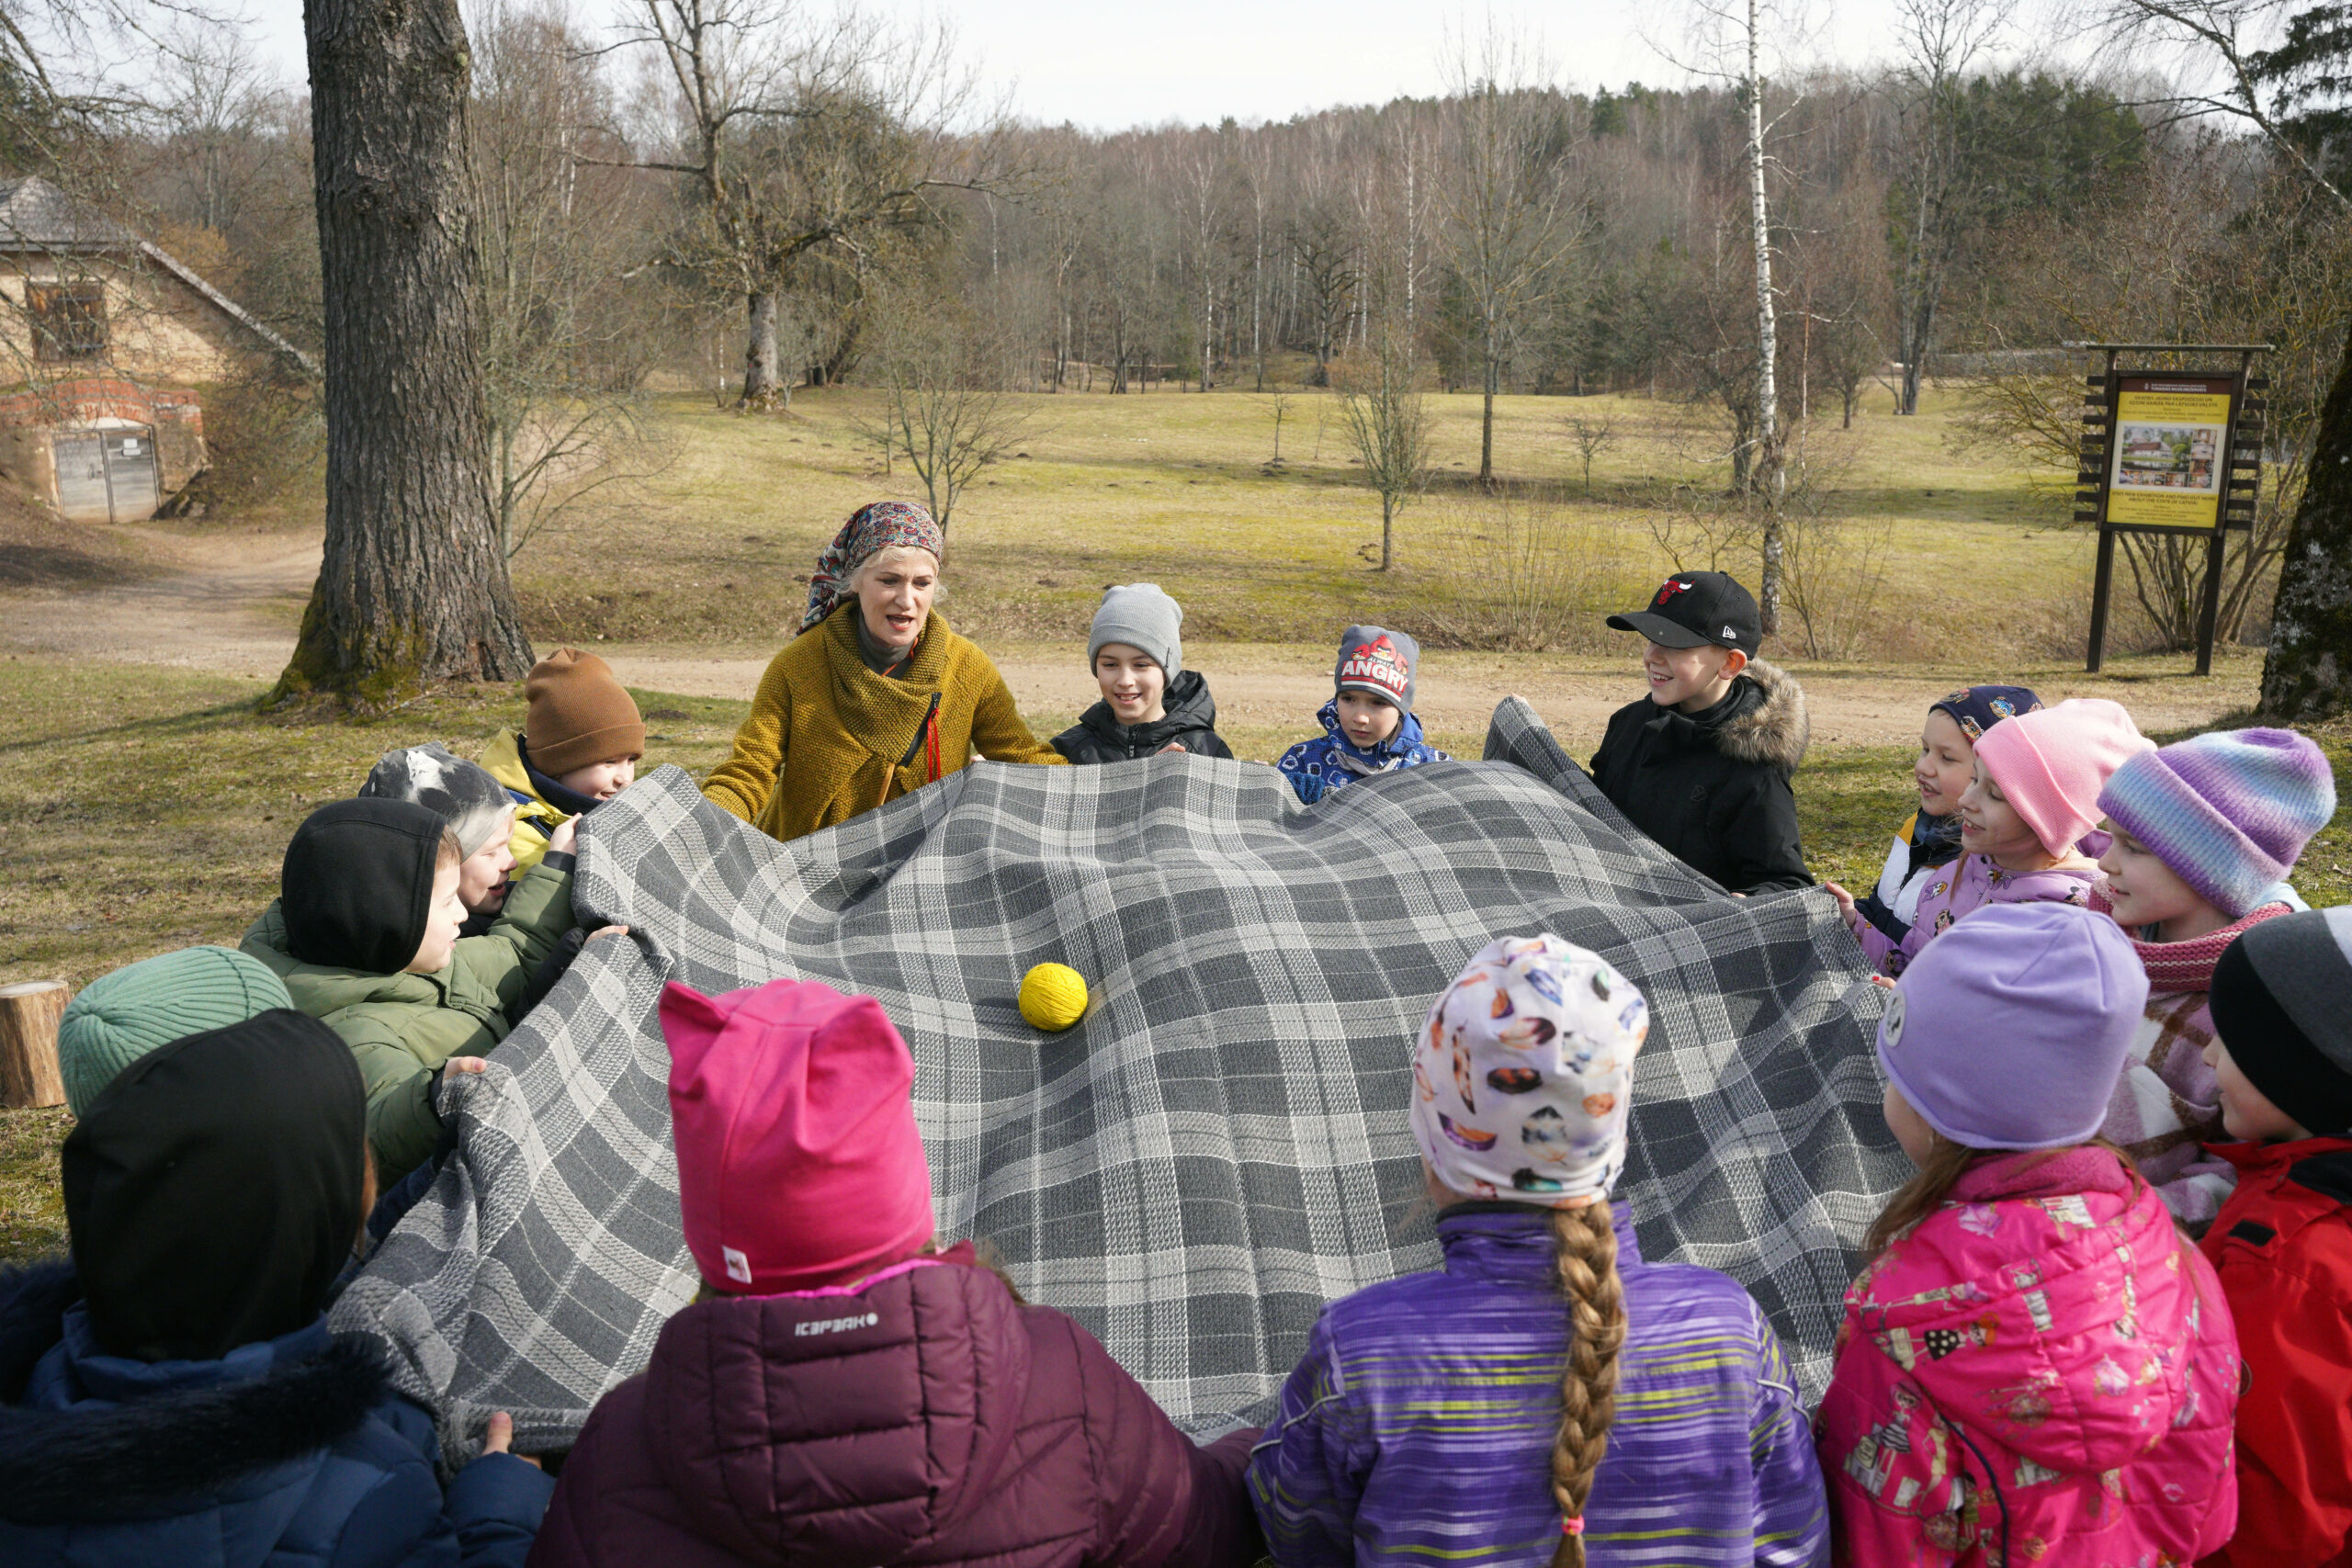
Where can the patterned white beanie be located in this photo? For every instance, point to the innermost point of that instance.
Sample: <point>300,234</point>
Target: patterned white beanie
<point>1521,1075</point>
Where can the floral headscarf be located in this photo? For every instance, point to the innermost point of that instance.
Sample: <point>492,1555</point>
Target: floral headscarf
<point>1521,1077</point>
<point>876,526</point>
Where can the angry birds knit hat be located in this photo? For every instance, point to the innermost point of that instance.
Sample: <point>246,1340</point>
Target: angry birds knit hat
<point>1523,1074</point>
<point>1375,660</point>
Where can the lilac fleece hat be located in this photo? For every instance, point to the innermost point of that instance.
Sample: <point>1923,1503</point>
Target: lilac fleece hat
<point>2050,764</point>
<point>2228,812</point>
<point>2010,1031</point>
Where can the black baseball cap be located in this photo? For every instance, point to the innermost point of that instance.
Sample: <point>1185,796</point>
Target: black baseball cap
<point>1698,609</point>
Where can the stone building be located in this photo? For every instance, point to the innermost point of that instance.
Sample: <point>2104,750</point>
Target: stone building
<point>104,341</point>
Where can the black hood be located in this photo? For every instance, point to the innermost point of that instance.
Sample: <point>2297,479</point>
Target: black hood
<point>213,1190</point>
<point>358,884</point>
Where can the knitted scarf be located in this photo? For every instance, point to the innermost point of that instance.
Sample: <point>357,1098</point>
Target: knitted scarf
<point>2178,967</point>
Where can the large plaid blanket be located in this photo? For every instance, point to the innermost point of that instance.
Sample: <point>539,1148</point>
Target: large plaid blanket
<point>1219,1145</point>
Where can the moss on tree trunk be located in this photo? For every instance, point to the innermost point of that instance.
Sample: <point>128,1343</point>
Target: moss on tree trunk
<point>2308,675</point>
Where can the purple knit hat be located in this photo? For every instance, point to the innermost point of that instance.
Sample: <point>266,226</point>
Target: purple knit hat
<point>2010,1031</point>
<point>2228,812</point>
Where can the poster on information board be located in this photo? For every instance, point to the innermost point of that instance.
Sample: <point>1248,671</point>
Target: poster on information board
<point>2169,451</point>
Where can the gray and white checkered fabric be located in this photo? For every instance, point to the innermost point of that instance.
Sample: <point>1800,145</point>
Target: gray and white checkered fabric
<point>1219,1145</point>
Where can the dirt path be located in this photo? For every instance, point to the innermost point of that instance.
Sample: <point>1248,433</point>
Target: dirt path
<point>230,603</point>
<point>233,607</point>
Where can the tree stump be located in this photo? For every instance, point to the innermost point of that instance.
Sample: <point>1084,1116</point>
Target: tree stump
<point>28,1015</point>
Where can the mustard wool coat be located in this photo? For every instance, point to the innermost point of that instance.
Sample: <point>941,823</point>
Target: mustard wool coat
<point>825,733</point>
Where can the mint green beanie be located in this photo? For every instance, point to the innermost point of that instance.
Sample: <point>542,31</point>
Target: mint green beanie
<point>120,1017</point>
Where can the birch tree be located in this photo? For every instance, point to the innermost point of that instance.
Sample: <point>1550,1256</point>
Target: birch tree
<point>1731,39</point>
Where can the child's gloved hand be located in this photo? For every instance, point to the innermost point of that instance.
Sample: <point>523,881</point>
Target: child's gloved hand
<point>566,834</point>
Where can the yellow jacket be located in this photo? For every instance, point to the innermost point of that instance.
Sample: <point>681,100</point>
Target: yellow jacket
<point>826,733</point>
<point>534,818</point>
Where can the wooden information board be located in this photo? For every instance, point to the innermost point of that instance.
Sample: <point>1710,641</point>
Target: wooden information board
<point>2175,452</point>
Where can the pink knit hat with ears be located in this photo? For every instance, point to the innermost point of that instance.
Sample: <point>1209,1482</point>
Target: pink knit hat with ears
<point>798,1162</point>
<point>2051,765</point>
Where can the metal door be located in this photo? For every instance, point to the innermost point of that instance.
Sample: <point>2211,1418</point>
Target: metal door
<point>131,486</point>
<point>106,476</point>
<point>81,477</point>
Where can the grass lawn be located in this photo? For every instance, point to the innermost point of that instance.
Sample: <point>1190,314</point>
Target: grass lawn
<point>1176,488</point>
<point>143,808</point>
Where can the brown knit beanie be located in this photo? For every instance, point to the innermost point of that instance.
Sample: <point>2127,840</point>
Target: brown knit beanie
<point>579,714</point>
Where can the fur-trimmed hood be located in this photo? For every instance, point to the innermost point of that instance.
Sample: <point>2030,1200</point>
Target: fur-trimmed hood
<point>199,1430</point>
<point>1773,728</point>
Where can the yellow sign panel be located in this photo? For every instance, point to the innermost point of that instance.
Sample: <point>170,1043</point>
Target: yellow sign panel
<point>2170,461</point>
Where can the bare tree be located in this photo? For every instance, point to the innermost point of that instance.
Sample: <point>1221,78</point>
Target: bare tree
<point>1510,222</point>
<point>1591,437</point>
<point>946,411</point>
<point>412,586</point>
<point>1388,424</point>
<point>1940,40</point>
<point>564,357</point>
<point>799,136</point>
<point>1733,41</point>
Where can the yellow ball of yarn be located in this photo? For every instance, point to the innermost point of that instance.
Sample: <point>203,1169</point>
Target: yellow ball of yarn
<point>1053,996</point>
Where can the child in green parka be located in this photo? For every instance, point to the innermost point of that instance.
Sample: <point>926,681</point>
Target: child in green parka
<point>364,933</point>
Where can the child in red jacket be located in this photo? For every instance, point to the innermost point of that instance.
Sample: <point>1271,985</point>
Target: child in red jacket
<point>2283,1242</point>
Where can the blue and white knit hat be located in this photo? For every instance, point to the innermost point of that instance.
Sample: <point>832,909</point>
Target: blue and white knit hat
<point>1522,1075</point>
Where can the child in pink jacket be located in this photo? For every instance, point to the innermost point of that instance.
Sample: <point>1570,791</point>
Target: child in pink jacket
<point>2035,796</point>
<point>2035,1367</point>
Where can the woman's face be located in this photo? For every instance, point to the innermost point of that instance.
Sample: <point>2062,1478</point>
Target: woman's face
<point>1989,825</point>
<point>894,593</point>
<point>1946,766</point>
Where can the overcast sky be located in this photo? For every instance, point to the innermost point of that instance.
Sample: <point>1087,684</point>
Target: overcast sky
<point>1109,65</point>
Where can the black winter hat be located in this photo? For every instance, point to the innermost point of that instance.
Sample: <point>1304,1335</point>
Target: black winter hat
<point>1698,609</point>
<point>213,1190</point>
<point>2277,1002</point>
<point>358,884</point>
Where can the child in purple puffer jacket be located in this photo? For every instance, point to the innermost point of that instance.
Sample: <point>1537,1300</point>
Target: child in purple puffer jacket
<point>845,1391</point>
<point>1548,1391</point>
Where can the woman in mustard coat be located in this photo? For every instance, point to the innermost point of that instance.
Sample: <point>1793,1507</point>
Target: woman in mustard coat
<point>876,697</point>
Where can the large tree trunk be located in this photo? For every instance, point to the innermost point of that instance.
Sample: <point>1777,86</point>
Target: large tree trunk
<point>413,586</point>
<point>2308,675</point>
<point>763,385</point>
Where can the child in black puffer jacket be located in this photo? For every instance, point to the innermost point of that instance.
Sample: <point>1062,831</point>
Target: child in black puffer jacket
<point>1151,702</point>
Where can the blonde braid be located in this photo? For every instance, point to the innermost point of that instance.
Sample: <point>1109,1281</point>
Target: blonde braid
<point>1587,1244</point>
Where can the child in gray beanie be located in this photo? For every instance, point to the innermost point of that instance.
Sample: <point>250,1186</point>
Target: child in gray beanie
<point>1151,702</point>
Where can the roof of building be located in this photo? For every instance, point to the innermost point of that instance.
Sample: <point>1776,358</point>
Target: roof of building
<point>37,216</point>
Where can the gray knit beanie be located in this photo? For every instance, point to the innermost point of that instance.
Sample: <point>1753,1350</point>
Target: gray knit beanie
<point>1140,615</point>
<point>462,793</point>
<point>119,1017</point>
